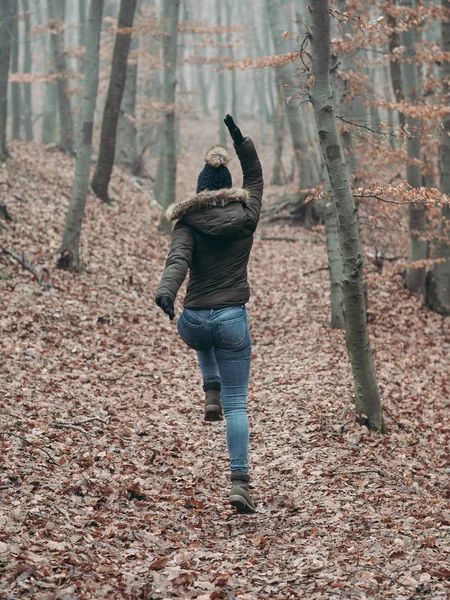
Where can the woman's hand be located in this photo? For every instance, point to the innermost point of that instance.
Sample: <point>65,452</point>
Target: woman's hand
<point>234,130</point>
<point>166,304</point>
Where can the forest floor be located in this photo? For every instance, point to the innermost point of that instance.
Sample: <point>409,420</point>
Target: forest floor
<point>111,484</point>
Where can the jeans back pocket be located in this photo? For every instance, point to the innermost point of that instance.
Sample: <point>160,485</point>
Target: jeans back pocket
<point>234,333</point>
<point>190,333</point>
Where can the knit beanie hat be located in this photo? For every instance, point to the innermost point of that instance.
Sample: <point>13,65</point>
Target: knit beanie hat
<point>215,174</point>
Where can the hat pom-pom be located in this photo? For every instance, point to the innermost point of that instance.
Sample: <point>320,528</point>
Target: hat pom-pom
<point>217,156</point>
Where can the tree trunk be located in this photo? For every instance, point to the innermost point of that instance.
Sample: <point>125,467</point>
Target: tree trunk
<point>415,277</point>
<point>233,73</point>
<point>287,81</point>
<point>221,90</point>
<point>70,258</point>
<point>438,281</point>
<point>394,65</point>
<point>259,77</point>
<point>367,399</point>
<point>105,162</point>
<point>16,97</point>
<point>56,11</point>
<point>8,12</point>
<point>28,107</point>
<point>204,89</point>
<point>82,22</point>
<point>278,131</point>
<point>51,100</point>
<point>330,216</point>
<point>127,151</point>
<point>171,13</point>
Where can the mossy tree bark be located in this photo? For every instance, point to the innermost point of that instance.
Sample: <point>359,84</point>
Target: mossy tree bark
<point>8,13</point>
<point>56,13</point>
<point>367,398</point>
<point>105,161</point>
<point>70,257</point>
<point>438,283</point>
<point>171,16</point>
<point>415,276</point>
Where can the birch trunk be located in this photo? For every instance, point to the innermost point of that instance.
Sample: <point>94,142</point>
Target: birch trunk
<point>415,277</point>
<point>28,107</point>
<point>367,399</point>
<point>438,282</point>
<point>105,161</point>
<point>287,81</point>
<point>170,41</point>
<point>8,11</point>
<point>70,257</point>
<point>56,12</point>
<point>16,96</point>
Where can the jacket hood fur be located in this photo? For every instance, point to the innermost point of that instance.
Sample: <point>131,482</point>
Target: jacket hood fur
<point>205,199</point>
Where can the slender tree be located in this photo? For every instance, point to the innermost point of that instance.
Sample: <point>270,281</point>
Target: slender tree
<point>82,22</point>
<point>8,13</point>
<point>16,96</point>
<point>438,284</point>
<point>415,276</point>
<point>233,74</point>
<point>367,397</point>
<point>221,90</point>
<point>288,82</point>
<point>127,150</point>
<point>278,122</point>
<point>327,207</point>
<point>395,69</point>
<point>69,258</point>
<point>171,16</point>
<point>57,13</point>
<point>27,67</point>
<point>51,98</point>
<point>105,162</point>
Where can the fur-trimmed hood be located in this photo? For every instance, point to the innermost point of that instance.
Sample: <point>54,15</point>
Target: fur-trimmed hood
<point>205,199</point>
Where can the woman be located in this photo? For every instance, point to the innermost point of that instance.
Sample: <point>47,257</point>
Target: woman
<point>212,238</point>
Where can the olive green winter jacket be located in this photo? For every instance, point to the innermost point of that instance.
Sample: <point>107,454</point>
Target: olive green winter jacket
<point>212,239</point>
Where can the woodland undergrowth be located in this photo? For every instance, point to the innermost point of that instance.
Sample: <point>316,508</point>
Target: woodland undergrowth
<point>112,486</point>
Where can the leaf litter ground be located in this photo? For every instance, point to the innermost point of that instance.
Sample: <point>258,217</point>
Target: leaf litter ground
<point>112,486</point>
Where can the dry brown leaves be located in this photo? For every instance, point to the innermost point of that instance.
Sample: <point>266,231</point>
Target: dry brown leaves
<point>111,486</point>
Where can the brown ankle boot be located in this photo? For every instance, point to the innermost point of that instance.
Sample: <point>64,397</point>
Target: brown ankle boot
<point>213,406</point>
<point>240,495</point>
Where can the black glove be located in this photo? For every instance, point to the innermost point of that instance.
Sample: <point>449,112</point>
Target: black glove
<point>234,130</point>
<point>167,305</point>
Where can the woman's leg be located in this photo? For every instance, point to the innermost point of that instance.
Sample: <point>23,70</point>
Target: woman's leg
<point>209,368</point>
<point>233,352</point>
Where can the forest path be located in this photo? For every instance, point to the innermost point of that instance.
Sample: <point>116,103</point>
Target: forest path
<point>112,486</point>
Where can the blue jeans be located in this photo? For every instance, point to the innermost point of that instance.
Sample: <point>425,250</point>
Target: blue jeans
<point>222,340</point>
